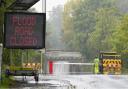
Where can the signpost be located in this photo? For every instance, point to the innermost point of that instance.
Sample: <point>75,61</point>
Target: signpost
<point>0,2</point>
<point>0,59</point>
<point>24,30</point>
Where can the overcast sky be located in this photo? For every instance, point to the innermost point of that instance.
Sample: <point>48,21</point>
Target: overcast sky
<point>49,4</point>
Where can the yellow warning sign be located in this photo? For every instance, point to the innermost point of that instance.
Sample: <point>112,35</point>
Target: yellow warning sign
<point>35,66</point>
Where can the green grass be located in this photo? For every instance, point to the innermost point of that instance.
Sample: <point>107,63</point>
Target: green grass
<point>6,82</point>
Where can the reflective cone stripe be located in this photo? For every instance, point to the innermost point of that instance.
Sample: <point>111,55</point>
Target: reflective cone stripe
<point>120,62</point>
<point>103,61</point>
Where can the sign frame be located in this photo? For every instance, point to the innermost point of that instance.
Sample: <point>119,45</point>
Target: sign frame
<point>26,47</point>
<point>1,55</point>
<point>22,5</point>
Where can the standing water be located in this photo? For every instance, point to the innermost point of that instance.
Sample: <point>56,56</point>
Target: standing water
<point>59,68</point>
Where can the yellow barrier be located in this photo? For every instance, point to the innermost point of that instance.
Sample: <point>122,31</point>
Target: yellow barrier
<point>111,66</point>
<point>35,66</point>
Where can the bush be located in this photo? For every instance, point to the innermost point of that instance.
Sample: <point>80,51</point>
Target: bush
<point>6,81</point>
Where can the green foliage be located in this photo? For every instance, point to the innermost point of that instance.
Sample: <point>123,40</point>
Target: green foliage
<point>6,56</point>
<point>2,11</point>
<point>89,25</point>
<point>5,82</point>
<point>121,34</point>
<point>106,22</point>
<point>120,39</point>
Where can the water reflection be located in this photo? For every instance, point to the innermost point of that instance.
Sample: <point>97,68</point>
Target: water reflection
<point>65,68</point>
<point>48,84</point>
<point>47,87</point>
<point>60,68</point>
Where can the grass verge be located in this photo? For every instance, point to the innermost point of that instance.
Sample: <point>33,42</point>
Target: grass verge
<point>6,82</point>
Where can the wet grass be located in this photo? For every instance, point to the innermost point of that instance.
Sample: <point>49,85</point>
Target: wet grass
<point>6,82</point>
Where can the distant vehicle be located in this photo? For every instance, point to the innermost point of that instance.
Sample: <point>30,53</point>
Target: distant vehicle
<point>110,63</point>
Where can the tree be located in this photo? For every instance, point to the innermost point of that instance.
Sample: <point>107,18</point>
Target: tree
<point>120,39</point>
<point>2,11</point>
<point>87,24</point>
<point>106,21</point>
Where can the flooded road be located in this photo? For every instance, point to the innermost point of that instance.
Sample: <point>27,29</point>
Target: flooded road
<point>77,82</point>
<point>43,83</point>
